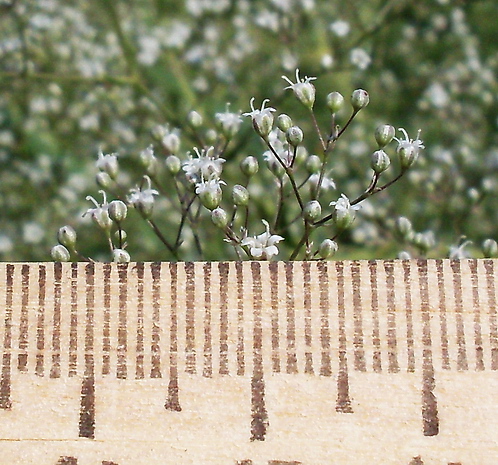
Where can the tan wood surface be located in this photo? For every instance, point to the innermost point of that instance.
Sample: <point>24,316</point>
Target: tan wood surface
<point>253,363</point>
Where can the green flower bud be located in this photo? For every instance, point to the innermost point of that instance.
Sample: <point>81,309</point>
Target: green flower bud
<point>313,164</point>
<point>328,248</point>
<point>335,101</point>
<point>209,193</point>
<point>67,237</point>
<point>284,122</point>
<point>171,142</point>
<point>120,256</point>
<point>194,119</point>
<point>359,99</point>
<point>407,155</point>
<point>211,137</point>
<point>403,227</point>
<point>103,179</point>
<point>275,167</point>
<point>384,135</point>
<point>173,165</point>
<point>60,254</point>
<point>490,248</point>
<point>219,217</point>
<point>117,211</point>
<point>120,235</point>
<point>249,166</point>
<point>380,161</point>
<point>294,136</point>
<point>240,195</point>
<point>312,211</point>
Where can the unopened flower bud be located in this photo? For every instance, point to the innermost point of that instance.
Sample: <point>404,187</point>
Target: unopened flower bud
<point>240,195</point>
<point>313,164</point>
<point>404,255</point>
<point>335,101</point>
<point>490,248</point>
<point>120,256</point>
<point>211,137</point>
<point>219,217</point>
<point>328,248</point>
<point>211,196</point>
<point>149,160</point>
<point>117,211</point>
<point>424,241</point>
<point>120,235</point>
<point>171,142</point>
<point>60,254</point>
<point>359,99</point>
<point>284,122</point>
<point>380,161</point>
<point>407,155</point>
<point>194,119</point>
<point>275,167</point>
<point>108,164</point>
<point>403,227</point>
<point>103,179</point>
<point>294,136</point>
<point>249,166</point>
<point>67,237</point>
<point>173,164</point>
<point>384,134</point>
<point>312,211</point>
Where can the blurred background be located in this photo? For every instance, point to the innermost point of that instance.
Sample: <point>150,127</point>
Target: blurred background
<point>79,76</point>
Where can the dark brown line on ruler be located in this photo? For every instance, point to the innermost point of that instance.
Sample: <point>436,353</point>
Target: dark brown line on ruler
<point>173,400</point>
<point>445,352</point>
<point>377,356</point>
<point>122,370</point>
<point>5,381</point>
<point>190,318</point>
<point>343,404</point>
<point>493,327</point>
<point>359,352</point>
<point>87,407</point>
<point>392,345</point>
<point>67,460</point>
<point>462,363</point>
<point>55,371</point>
<point>73,325</point>
<point>275,337</point>
<point>140,347</point>
<point>223,269</point>
<point>308,367</point>
<point>478,339</point>
<point>429,402</point>
<point>240,319</point>
<point>207,370</point>
<point>22,356</point>
<point>323,282</point>
<point>283,462</point>
<point>409,316</point>
<point>259,420</point>
<point>155,371</point>
<point>106,335</point>
<point>291,318</point>
<point>40,320</point>
<point>106,462</point>
<point>417,461</point>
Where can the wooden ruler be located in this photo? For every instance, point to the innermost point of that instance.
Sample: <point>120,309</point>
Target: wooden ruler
<point>252,363</point>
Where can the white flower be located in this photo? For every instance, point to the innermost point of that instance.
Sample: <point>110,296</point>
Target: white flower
<point>262,119</point>
<point>360,58</point>
<point>205,166</point>
<point>344,212</point>
<point>229,122</point>
<point>340,28</point>
<point>458,252</point>
<point>327,182</point>
<point>408,149</point>
<point>210,192</point>
<point>108,163</point>
<point>143,199</point>
<point>99,213</point>
<point>263,246</point>
<point>303,89</point>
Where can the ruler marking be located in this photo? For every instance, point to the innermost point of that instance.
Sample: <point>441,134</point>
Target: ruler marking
<point>22,356</point>
<point>291,319</point>
<point>155,348</point>
<point>478,339</point>
<point>377,357</point>
<point>308,367</point>
<point>207,371</point>
<point>359,352</point>
<point>275,336</point>
<point>443,317</point>
<point>409,317</point>
<point>106,332</point>
<point>462,363</point>
<point>67,460</point>
<point>40,320</point>
<point>87,407</point>
<point>240,319</point>
<point>173,399</point>
<point>73,322</point>
<point>429,401</point>
<point>55,372</point>
<point>343,404</point>
<point>259,421</point>
<point>223,269</point>
<point>190,318</point>
<point>323,280</point>
<point>140,345</point>
<point>5,382</point>
<point>392,344</point>
<point>122,369</point>
<point>493,326</point>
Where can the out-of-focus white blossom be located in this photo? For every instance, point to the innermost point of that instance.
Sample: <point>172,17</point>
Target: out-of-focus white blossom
<point>262,246</point>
